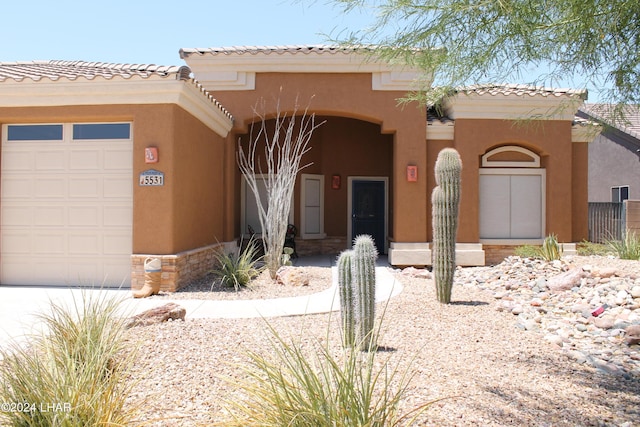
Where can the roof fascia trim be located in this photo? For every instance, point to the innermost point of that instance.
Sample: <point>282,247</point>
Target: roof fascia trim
<point>237,72</point>
<point>439,131</point>
<point>513,107</point>
<point>185,94</point>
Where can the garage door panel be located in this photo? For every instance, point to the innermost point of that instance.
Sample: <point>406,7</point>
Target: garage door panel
<point>118,188</point>
<point>115,243</point>
<point>113,160</point>
<point>51,216</point>
<point>50,188</point>
<point>84,244</point>
<point>49,243</point>
<point>84,216</point>
<point>51,271</point>
<point>85,273</point>
<point>17,161</point>
<point>115,273</point>
<point>18,241</point>
<point>85,187</point>
<point>66,212</point>
<point>18,215</point>
<point>51,161</point>
<point>117,216</point>
<point>17,188</point>
<point>84,161</point>
<point>16,271</point>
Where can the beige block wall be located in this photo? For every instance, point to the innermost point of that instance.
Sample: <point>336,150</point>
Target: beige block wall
<point>633,215</point>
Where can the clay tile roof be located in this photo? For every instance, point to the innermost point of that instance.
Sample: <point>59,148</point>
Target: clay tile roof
<point>254,50</point>
<point>77,70</point>
<point>72,70</point>
<point>625,118</point>
<point>515,89</point>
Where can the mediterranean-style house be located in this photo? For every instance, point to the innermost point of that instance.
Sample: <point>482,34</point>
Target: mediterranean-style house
<point>104,165</point>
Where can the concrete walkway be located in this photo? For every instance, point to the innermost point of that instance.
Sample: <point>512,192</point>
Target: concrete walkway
<point>19,306</point>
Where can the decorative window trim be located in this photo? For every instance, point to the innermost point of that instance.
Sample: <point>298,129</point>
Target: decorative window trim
<point>534,163</point>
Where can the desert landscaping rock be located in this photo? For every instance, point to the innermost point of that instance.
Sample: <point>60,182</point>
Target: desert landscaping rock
<point>579,287</point>
<point>157,315</point>
<point>548,365</point>
<point>292,276</point>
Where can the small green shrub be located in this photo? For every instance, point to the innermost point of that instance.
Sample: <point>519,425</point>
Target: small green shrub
<point>73,375</point>
<point>628,247</point>
<point>313,385</point>
<point>527,251</point>
<point>586,248</point>
<point>238,269</point>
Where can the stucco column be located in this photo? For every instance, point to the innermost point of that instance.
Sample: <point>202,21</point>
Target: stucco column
<point>410,199</point>
<point>230,213</point>
<point>580,195</point>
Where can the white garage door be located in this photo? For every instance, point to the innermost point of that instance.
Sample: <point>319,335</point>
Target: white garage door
<point>511,204</point>
<point>66,209</point>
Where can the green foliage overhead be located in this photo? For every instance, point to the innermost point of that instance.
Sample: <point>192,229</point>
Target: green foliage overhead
<point>494,41</point>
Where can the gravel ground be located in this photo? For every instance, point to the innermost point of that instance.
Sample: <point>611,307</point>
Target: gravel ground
<point>470,354</point>
<point>261,287</point>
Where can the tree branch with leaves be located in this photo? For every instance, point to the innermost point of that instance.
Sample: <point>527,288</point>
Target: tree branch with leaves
<point>462,42</point>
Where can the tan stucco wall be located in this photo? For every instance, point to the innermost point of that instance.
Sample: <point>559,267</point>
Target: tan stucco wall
<point>184,213</point>
<point>344,147</point>
<point>565,163</point>
<point>350,96</point>
<point>580,192</point>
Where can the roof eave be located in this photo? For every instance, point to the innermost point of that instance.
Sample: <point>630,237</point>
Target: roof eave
<point>118,91</point>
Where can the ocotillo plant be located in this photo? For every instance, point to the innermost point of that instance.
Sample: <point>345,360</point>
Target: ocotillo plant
<point>445,201</point>
<point>347,303</point>
<point>363,267</point>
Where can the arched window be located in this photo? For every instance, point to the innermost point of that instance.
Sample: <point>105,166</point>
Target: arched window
<point>510,156</point>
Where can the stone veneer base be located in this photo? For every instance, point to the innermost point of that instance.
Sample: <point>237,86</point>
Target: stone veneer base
<point>180,269</point>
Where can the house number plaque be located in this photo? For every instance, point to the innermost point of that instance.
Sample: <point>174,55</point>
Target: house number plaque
<point>151,177</point>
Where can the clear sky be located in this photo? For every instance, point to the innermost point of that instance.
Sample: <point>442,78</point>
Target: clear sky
<point>152,32</point>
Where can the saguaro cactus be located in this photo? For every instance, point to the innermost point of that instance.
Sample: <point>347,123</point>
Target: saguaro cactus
<point>363,272</point>
<point>445,201</point>
<point>347,303</point>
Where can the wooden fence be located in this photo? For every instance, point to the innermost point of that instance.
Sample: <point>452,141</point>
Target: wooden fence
<point>607,221</point>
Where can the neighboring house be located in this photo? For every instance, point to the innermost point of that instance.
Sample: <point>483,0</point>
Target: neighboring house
<point>104,165</point>
<point>614,155</point>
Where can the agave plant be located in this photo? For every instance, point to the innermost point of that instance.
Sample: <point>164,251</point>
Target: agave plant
<point>238,269</point>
